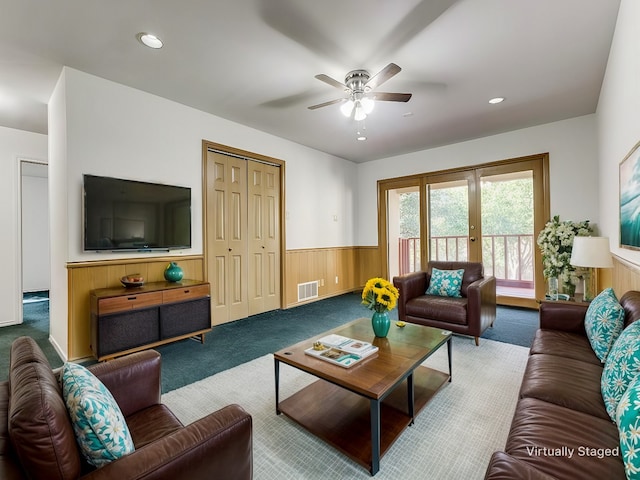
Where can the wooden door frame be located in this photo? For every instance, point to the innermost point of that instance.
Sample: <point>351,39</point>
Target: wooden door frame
<point>236,152</point>
<point>541,201</point>
<point>383,187</point>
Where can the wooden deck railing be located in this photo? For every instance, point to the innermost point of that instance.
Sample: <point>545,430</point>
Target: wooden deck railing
<point>507,257</point>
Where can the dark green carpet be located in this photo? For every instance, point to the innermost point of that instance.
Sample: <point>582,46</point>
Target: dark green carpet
<point>238,342</point>
<point>35,324</point>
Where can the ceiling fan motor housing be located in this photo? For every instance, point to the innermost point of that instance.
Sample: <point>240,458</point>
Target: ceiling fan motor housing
<point>356,81</point>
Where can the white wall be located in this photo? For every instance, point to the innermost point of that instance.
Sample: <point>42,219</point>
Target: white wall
<point>14,144</point>
<point>572,148</point>
<point>104,128</point>
<point>58,218</point>
<point>617,119</point>
<point>35,228</point>
<point>115,130</point>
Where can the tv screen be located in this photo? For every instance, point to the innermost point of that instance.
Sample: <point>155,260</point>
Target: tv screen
<point>131,215</point>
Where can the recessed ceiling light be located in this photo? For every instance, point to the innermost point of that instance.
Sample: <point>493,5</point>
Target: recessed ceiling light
<point>150,40</point>
<point>362,138</point>
<point>407,114</point>
<point>496,100</point>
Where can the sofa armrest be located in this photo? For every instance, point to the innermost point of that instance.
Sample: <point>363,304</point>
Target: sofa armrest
<point>482,290</point>
<point>133,380</point>
<point>481,303</point>
<point>410,285</point>
<point>564,316</point>
<point>503,466</point>
<point>219,445</point>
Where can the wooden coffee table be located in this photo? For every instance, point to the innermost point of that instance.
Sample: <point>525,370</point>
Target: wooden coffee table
<point>363,409</point>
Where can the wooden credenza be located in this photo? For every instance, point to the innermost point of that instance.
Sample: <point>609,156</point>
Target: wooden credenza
<point>126,320</point>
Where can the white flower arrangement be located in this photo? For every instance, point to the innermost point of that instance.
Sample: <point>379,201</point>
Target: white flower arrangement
<point>556,242</point>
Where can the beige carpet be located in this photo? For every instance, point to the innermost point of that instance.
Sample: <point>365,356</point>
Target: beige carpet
<point>452,438</point>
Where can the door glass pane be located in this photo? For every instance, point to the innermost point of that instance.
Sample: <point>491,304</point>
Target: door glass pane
<point>403,214</point>
<point>448,221</point>
<point>507,232</point>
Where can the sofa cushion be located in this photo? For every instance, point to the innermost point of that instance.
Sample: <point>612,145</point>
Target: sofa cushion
<point>564,443</point>
<point>564,344</point>
<point>621,367</point>
<point>503,466</point>
<point>100,427</point>
<point>39,425</point>
<point>566,382</point>
<point>446,309</point>
<point>628,420</point>
<point>603,322</point>
<point>445,283</point>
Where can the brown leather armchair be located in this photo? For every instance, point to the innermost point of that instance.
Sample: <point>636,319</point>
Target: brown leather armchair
<point>471,314</point>
<point>37,439</point>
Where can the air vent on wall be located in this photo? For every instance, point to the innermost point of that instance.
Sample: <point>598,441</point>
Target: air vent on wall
<point>307,290</point>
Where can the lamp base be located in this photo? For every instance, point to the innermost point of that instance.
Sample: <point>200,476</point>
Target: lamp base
<point>590,284</point>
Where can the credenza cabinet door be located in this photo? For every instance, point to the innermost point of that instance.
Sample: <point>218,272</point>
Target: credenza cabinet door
<point>181,318</point>
<point>126,330</point>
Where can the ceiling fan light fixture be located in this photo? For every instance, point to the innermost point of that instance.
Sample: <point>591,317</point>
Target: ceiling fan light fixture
<point>150,40</point>
<point>359,113</point>
<point>367,105</point>
<point>347,107</point>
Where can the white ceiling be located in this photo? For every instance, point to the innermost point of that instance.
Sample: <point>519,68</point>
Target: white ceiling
<point>254,62</point>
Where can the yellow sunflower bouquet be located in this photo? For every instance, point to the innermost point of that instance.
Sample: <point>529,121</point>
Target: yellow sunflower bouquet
<point>379,295</point>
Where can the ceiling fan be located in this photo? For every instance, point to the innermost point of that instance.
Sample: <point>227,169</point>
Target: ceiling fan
<point>359,87</point>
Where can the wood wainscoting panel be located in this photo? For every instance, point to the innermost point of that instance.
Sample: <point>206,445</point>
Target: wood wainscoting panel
<point>337,270</point>
<point>368,264</point>
<point>624,277</point>
<point>87,276</point>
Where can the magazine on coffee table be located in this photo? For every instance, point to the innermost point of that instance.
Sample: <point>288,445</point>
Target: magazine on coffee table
<point>342,351</point>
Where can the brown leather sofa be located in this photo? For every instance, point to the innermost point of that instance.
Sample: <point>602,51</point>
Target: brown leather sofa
<point>470,315</point>
<point>37,440</point>
<point>561,429</point>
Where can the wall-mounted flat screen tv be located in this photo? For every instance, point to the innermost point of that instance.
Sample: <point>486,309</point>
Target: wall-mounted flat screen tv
<point>124,214</point>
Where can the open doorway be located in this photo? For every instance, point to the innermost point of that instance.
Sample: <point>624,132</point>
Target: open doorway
<point>34,242</point>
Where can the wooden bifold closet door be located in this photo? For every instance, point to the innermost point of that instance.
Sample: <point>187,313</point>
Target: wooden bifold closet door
<point>243,236</point>
<point>264,238</point>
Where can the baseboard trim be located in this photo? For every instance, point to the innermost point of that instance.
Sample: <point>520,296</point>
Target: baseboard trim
<point>58,350</point>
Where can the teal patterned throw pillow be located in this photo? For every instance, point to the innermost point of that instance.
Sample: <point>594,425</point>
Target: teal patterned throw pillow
<point>628,420</point>
<point>603,322</point>
<point>100,427</point>
<point>621,367</point>
<point>445,283</point>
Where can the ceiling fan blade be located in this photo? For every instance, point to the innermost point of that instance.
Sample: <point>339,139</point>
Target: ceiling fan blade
<point>382,76</point>
<point>330,81</point>
<point>303,28</point>
<point>326,104</point>
<point>414,22</point>
<point>390,97</point>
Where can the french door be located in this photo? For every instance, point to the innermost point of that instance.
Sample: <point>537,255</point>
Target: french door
<point>489,213</point>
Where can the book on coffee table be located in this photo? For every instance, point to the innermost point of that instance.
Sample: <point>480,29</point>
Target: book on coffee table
<point>341,351</point>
